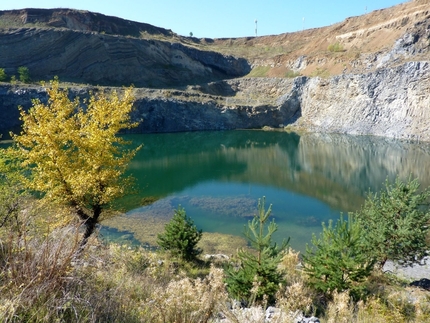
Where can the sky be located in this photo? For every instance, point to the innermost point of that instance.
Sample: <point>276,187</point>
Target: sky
<point>220,18</point>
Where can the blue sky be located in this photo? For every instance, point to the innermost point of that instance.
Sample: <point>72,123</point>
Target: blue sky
<point>220,18</point>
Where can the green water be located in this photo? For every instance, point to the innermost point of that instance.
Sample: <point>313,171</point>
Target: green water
<point>218,177</point>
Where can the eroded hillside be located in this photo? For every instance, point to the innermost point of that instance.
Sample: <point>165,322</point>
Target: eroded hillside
<point>380,38</point>
<point>89,48</point>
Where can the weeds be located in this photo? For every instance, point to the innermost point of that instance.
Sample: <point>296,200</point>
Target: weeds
<point>335,48</point>
<point>33,274</point>
<point>41,280</point>
<point>292,74</point>
<point>259,71</point>
<point>320,72</point>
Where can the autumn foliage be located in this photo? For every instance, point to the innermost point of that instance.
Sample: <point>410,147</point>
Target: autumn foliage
<point>74,152</point>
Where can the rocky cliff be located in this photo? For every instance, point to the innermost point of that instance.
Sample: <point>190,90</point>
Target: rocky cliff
<point>100,59</point>
<point>86,47</point>
<point>392,102</point>
<point>186,84</point>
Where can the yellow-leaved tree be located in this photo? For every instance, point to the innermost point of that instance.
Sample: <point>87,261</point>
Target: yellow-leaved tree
<point>73,150</point>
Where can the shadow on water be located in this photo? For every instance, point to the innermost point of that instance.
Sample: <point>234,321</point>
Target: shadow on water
<point>219,176</point>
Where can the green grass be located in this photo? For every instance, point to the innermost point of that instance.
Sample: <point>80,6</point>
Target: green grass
<point>336,47</point>
<point>259,71</point>
<point>320,72</point>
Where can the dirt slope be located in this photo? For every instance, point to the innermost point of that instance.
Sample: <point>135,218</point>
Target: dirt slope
<point>359,38</point>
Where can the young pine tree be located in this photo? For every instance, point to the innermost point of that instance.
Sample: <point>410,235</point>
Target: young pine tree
<point>396,222</point>
<point>181,236</point>
<point>257,277</point>
<point>337,262</point>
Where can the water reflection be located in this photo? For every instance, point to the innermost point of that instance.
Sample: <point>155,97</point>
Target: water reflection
<point>308,178</point>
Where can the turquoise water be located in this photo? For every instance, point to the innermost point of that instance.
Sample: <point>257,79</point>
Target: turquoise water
<point>218,177</point>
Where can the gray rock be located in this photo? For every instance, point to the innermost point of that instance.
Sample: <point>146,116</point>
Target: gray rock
<point>103,59</point>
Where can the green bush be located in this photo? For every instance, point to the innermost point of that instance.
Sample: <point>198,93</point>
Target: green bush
<point>181,236</point>
<point>395,222</point>
<point>336,47</point>
<point>256,277</point>
<point>336,262</point>
<point>12,192</point>
<point>24,74</point>
<point>3,75</point>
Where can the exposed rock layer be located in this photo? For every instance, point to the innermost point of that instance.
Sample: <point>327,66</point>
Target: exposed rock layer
<point>100,59</point>
<point>390,102</point>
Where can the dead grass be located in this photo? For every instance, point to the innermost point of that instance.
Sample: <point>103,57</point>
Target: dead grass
<point>41,280</point>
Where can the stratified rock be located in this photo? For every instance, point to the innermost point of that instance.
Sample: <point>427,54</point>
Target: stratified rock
<point>391,102</point>
<point>84,47</point>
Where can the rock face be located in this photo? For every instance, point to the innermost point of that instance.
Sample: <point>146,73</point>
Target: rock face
<point>80,21</point>
<point>84,47</point>
<point>391,102</point>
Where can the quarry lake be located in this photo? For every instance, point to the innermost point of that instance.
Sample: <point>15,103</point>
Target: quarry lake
<point>218,178</point>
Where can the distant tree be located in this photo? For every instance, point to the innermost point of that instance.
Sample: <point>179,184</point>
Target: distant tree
<point>3,75</point>
<point>191,34</point>
<point>181,236</point>
<point>13,79</point>
<point>336,261</point>
<point>24,74</point>
<point>396,222</point>
<point>74,154</point>
<point>256,275</point>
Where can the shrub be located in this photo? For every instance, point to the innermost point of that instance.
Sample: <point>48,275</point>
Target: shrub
<point>336,47</point>
<point>24,74</point>
<point>337,263</point>
<point>181,236</point>
<point>3,75</point>
<point>257,276</point>
<point>12,193</point>
<point>187,300</point>
<point>395,222</point>
<point>33,275</point>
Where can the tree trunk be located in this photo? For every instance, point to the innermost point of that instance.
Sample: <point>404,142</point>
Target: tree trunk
<point>90,225</point>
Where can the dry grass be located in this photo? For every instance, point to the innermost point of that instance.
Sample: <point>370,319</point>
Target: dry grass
<point>41,280</point>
